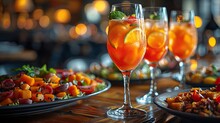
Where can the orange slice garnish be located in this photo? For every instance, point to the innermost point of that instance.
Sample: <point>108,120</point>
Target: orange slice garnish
<point>156,40</point>
<point>116,35</point>
<point>133,36</point>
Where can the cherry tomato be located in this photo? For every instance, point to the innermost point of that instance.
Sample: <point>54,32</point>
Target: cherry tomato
<point>7,84</point>
<point>131,19</point>
<point>217,82</point>
<point>86,89</point>
<point>217,99</point>
<point>47,89</point>
<point>218,87</point>
<point>7,94</point>
<point>99,80</point>
<point>196,97</point>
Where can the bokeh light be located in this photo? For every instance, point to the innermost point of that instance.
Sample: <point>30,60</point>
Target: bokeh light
<point>92,14</point>
<point>81,29</point>
<point>102,6</point>
<point>212,41</point>
<point>72,33</point>
<point>6,20</point>
<point>198,21</point>
<point>62,15</point>
<point>106,30</point>
<point>44,21</point>
<point>194,64</point>
<point>37,14</point>
<point>23,5</point>
<point>21,21</point>
<point>29,24</point>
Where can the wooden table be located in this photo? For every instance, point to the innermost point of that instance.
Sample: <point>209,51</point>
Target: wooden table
<point>93,109</point>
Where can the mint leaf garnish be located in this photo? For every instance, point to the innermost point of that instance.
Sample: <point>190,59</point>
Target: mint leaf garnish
<point>154,16</point>
<point>116,15</point>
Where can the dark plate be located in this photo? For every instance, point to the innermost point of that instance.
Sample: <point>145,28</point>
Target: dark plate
<point>44,107</point>
<point>160,102</point>
<point>199,84</point>
<point>36,111</point>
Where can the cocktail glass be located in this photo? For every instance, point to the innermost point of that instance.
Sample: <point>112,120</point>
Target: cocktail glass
<point>126,46</point>
<point>182,40</point>
<point>156,28</point>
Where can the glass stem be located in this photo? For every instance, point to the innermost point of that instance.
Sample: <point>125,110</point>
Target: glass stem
<point>127,100</point>
<point>182,72</point>
<point>153,84</point>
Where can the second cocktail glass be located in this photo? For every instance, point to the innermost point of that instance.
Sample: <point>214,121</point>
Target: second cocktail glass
<point>156,28</point>
<point>182,40</point>
<point>126,46</point>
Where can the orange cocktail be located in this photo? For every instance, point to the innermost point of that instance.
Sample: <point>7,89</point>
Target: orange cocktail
<point>126,43</point>
<point>182,40</point>
<point>156,37</point>
<point>156,29</point>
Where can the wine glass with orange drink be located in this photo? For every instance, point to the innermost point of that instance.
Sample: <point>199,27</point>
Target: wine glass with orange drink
<point>156,28</point>
<point>182,39</point>
<point>126,46</point>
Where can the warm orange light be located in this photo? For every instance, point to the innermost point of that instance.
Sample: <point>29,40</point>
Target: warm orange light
<point>212,41</point>
<point>72,33</point>
<point>194,64</point>
<point>106,30</point>
<point>37,14</point>
<point>21,21</point>
<point>44,21</point>
<point>29,24</point>
<point>23,5</point>
<point>198,21</point>
<point>6,20</point>
<point>101,6</point>
<point>62,16</point>
<point>81,29</point>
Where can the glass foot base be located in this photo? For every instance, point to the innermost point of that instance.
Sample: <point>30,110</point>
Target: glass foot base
<point>146,99</point>
<point>120,113</point>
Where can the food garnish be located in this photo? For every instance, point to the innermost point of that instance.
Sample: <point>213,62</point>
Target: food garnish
<point>116,15</point>
<point>154,16</point>
<point>34,85</point>
<point>131,36</point>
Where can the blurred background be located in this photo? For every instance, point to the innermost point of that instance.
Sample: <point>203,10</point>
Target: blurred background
<point>54,32</point>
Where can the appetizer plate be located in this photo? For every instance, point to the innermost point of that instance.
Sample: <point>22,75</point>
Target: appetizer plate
<point>133,80</point>
<point>160,102</point>
<point>44,107</point>
<point>174,76</point>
